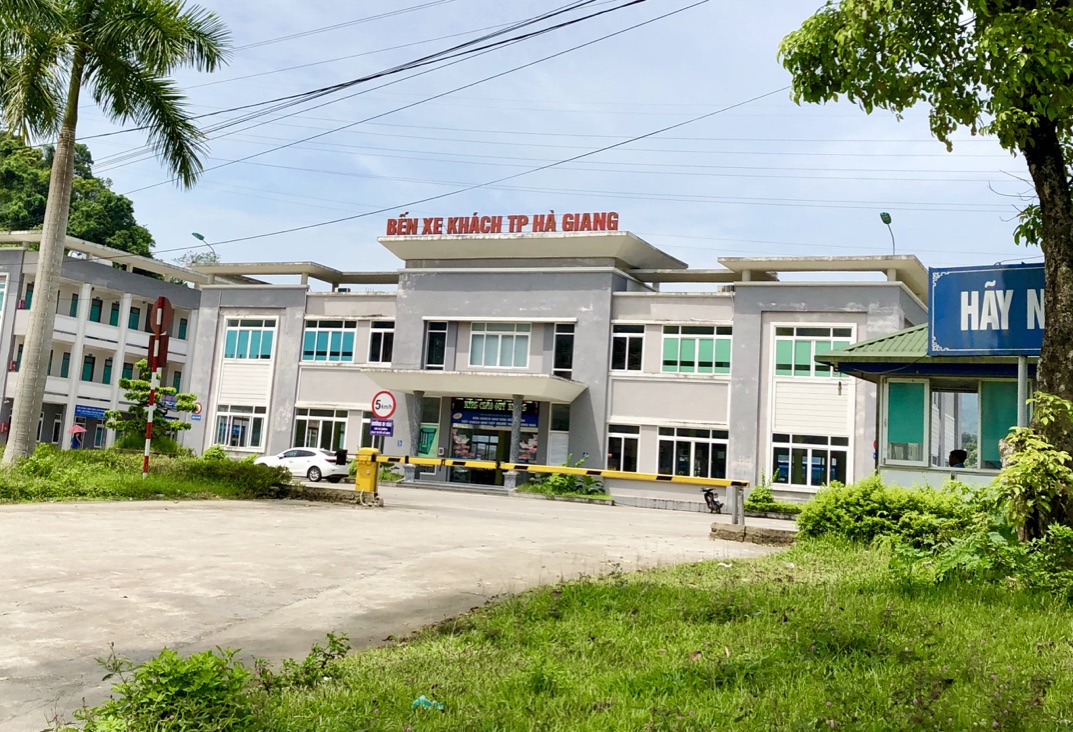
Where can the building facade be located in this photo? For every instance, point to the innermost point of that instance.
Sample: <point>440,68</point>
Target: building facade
<point>101,332</point>
<point>550,348</point>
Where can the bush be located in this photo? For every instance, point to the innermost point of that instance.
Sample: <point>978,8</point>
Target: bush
<point>214,452</point>
<point>762,500</point>
<point>559,484</point>
<point>171,693</point>
<point>868,509</point>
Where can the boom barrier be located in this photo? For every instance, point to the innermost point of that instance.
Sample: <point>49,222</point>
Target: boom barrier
<point>735,488</point>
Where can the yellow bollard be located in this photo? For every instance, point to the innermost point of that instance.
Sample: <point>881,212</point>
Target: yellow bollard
<point>367,476</point>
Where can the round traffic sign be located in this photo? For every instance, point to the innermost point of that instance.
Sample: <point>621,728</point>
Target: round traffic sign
<point>197,407</point>
<point>383,405</point>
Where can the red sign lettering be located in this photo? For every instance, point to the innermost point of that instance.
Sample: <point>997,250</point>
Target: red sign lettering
<point>515,224</point>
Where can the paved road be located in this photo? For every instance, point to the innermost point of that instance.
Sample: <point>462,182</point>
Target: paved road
<point>272,577</point>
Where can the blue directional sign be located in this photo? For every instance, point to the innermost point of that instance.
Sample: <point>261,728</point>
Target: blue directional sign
<point>986,311</point>
<point>81,410</point>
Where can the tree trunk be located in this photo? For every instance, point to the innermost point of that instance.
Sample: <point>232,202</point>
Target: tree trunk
<point>30,387</point>
<point>1047,166</point>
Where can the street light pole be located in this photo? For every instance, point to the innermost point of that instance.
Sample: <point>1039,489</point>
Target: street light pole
<point>202,239</point>
<point>886,219</point>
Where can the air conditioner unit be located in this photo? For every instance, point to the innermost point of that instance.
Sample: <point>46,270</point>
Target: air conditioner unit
<point>22,305</point>
<point>13,366</point>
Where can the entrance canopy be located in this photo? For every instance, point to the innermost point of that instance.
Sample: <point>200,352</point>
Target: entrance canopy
<point>533,387</point>
<point>905,353</point>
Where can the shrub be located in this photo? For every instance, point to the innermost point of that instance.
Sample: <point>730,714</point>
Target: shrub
<point>214,452</point>
<point>762,500</point>
<point>558,484</point>
<point>171,693</point>
<point>868,509</point>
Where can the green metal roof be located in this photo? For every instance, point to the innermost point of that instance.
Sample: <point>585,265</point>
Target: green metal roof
<point>911,343</point>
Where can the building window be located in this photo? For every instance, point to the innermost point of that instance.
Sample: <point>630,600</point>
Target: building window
<point>184,324</point>
<point>65,365</point>
<point>57,429</point>
<point>809,460</point>
<point>74,306</point>
<point>106,376</point>
<point>564,350</point>
<point>113,315</point>
<point>29,294</point>
<point>18,358</point>
<point>48,372</point>
<point>696,349</point>
<point>499,345</point>
<point>382,341</point>
<point>692,452</point>
<point>796,349</point>
<point>249,338</point>
<point>560,418</point>
<point>128,371</point>
<point>906,419</point>
<point>329,340</point>
<point>627,347</point>
<point>323,428</point>
<point>239,427</point>
<point>436,346</point>
<point>96,306</point>
<point>89,363</point>
<point>98,436</point>
<point>176,380</point>
<point>134,318</point>
<point>622,443</point>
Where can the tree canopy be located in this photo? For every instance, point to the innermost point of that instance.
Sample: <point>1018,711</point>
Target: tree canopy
<point>98,214</point>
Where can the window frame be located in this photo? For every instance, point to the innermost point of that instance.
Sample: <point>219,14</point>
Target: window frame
<point>675,438</point>
<point>836,342</point>
<point>628,336</point>
<point>621,434</point>
<point>244,329</point>
<point>925,459</point>
<point>382,338</point>
<point>230,413</point>
<point>439,329</point>
<point>790,444</point>
<point>327,328</point>
<point>337,419</point>
<point>566,331</point>
<point>716,336</point>
<point>485,330</point>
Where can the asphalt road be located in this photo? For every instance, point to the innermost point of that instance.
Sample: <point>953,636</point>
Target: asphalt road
<point>272,577</point>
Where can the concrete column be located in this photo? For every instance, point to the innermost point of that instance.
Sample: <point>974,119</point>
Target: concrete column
<point>1022,391</point>
<point>118,359</point>
<point>85,294</point>
<point>510,478</point>
<point>413,419</point>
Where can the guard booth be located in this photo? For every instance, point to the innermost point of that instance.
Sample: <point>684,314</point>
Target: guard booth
<point>949,391</point>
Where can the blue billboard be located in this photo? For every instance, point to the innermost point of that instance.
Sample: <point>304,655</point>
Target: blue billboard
<point>994,310</point>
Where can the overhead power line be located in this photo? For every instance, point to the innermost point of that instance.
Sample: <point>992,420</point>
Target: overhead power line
<point>464,86</point>
<point>503,179</point>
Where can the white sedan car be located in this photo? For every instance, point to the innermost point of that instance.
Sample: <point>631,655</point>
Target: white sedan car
<point>308,462</point>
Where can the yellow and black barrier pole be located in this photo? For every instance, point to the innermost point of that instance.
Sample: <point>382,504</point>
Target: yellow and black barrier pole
<point>735,488</point>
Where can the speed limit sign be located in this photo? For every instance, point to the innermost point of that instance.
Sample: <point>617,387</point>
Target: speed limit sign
<point>383,405</point>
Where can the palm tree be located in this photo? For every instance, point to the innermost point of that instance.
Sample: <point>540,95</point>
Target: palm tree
<point>121,52</point>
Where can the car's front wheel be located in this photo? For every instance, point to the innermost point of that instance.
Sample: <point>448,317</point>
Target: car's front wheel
<point>314,474</point>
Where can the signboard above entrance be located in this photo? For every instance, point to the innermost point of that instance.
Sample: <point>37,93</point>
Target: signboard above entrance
<point>513,224</point>
<point>986,311</point>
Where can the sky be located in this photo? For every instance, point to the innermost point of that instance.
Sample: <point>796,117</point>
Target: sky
<point>765,178</point>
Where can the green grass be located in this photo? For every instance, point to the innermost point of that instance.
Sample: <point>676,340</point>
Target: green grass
<point>818,637</point>
<point>80,475</point>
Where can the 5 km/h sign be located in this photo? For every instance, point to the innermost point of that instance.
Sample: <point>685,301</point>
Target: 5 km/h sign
<point>384,405</point>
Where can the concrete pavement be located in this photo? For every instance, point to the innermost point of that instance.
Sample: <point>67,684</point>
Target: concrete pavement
<point>272,577</point>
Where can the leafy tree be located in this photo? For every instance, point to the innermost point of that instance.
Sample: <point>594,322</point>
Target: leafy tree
<point>193,259</point>
<point>131,424</point>
<point>996,67</point>
<point>98,214</point>
<point>121,52</point>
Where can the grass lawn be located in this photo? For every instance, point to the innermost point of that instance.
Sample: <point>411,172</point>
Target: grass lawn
<point>818,637</point>
<point>543,490</point>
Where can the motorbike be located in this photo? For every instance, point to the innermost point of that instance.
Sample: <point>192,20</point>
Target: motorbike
<point>710,498</point>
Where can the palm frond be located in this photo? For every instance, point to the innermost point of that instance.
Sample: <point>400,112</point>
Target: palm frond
<point>32,82</point>
<point>126,92</point>
<point>162,35</point>
<point>41,13</point>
